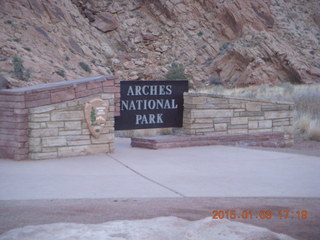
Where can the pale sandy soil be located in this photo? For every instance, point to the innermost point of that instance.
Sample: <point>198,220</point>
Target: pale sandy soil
<point>301,146</point>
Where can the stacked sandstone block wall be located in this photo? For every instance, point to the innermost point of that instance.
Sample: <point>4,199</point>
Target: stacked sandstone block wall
<point>210,114</point>
<point>47,120</point>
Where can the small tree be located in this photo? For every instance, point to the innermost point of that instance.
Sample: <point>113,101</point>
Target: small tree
<point>18,69</point>
<point>176,72</point>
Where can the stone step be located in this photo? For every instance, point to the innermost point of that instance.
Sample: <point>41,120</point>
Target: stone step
<point>267,139</point>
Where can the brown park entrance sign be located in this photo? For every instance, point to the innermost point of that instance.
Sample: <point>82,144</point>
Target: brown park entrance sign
<point>151,104</point>
<point>96,111</point>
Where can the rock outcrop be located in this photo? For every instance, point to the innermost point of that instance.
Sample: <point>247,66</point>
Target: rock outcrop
<point>234,43</point>
<point>169,228</point>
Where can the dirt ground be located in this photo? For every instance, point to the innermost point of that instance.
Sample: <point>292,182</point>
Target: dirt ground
<point>303,147</point>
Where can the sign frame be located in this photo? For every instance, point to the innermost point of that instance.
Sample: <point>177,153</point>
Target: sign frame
<point>151,104</point>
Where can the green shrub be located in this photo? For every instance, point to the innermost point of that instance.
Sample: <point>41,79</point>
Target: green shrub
<point>61,72</point>
<point>27,49</point>
<point>18,69</point>
<point>85,67</point>
<point>176,72</point>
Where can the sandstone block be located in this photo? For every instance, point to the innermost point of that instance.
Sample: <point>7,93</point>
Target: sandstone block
<point>281,122</point>
<point>78,137</point>
<point>203,120</point>
<point>106,138</point>
<point>80,87</point>
<point>74,125</point>
<point>34,125</point>
<point>70,133</point>
<point>11,98</point>
<point>12,104</point>
<point>214,106</point>
<point>260,131</point>
<point>106,96</point>
<point>241,126</point>
<point>49,149</point>
<point>40,117</point>
<point>265,124</point>
<point>110,89</point>
<point>222,120</point>
<point>75,108</point>
<point>43,132</point>
<point>35,149</point>
<point>34,141</point>
<point>220,127</point>
<point>67,115</point>
<point>278,114</point>
<point>253,124</point>
<point>92,85</point>
<point>39,102</point>
<point>189,131</point>
<point>251,106</point>
<point>38,156</point>
<point>55,124</point>
<point>239,120</point>
<point>217,100</point>
<point>98,149</point>
<point>21,111</point>
<point>61,106</point>
<point>42,109</point>
<point>72,151</point>
<point>275,107</point>
<point>88,92</point>
<point>85,132</point>
<point>72,103</point>
<point>78,142</point>
<point>111,148</point>
<point>256,118</point>
<point>109,83</point>
<point>201,125</point>
<point>285,129</point>
<point>250,114</point>
<point>213,113</point>
<point>199,100</point>
<point>204,131</point>
<point>54,141</point>
<point>237,131</point>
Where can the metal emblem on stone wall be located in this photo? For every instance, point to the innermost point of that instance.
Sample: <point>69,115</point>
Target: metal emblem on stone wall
<point>96,111</point>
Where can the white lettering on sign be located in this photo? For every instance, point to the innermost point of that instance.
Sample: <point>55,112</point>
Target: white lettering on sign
<point>149,119</point>
<point>101,110</point>
<point>150,90</point>
<point>148,104</point>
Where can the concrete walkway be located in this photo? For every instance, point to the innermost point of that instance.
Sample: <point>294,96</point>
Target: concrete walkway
<point>211,171</point>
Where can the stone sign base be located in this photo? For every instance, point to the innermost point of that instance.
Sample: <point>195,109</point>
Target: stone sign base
<point>48,120</point>
<point>267,139</point>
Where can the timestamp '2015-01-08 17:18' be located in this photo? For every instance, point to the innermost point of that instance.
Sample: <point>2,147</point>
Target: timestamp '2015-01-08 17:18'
<point>263,214</point>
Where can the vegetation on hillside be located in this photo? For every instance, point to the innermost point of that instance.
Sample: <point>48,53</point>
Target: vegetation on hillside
<point>176,72</point>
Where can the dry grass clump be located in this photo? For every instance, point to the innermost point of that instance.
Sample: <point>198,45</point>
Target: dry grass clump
<point>305,97</point>
<point>313,132</point>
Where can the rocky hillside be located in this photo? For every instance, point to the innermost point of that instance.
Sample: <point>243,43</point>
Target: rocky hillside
<point>229,42</point>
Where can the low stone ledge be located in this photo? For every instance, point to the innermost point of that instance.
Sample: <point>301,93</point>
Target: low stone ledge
<point>265,139</point>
